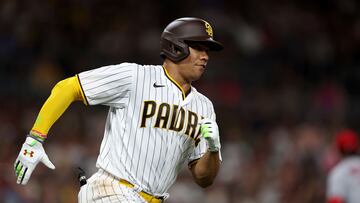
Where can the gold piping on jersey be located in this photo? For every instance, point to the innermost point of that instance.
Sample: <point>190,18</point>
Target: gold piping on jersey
<point>177,84</point>
<point>82,91</point>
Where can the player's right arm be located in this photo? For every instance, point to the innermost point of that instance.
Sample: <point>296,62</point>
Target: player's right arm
<point>107,85</point>
<point>62,95</point>
<point>32,152</point>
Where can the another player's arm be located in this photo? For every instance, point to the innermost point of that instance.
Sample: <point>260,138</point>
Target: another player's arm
<point>205,169</point>
<point>62,95</point>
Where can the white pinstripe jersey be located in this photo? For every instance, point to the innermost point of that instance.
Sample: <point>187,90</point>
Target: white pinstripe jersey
<point>344,180</point>
<point>151,129</point>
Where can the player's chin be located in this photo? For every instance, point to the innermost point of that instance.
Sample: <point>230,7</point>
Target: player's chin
<point>200,69</point>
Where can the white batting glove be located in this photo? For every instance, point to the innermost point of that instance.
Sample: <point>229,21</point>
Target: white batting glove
<point>210,131</point>
<point>31,153</point>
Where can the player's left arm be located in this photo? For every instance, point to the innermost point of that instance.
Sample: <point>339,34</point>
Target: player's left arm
<point>206,168</point>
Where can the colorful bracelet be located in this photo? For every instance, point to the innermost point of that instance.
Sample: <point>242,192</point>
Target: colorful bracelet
<point>37,136</point>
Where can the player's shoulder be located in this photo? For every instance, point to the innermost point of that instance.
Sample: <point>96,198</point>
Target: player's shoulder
<point>139,67</point>
<point>150,70</point>
<point>127,65</point>
<point>112,67</point>
<point>149,67</point>
<point>345,165</point>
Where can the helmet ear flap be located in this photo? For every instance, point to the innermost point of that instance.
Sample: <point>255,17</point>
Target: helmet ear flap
<point>174,50</point>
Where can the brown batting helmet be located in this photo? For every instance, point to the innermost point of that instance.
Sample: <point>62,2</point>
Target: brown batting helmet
<point>180,32</point>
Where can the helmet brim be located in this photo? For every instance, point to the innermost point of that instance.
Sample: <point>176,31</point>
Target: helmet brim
<point>210,43</point>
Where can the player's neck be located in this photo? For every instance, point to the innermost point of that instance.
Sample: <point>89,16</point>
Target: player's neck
<point>173,72</point>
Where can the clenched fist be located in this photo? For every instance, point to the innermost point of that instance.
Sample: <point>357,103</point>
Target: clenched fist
<point>210,131</point>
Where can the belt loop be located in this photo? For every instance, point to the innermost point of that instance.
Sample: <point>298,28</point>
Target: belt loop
<point>163,198</point>
<point>136,188</point>
<point>166,195</point>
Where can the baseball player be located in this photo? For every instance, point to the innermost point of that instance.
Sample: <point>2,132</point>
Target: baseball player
<point>343,185</point>
<point>156,121</point>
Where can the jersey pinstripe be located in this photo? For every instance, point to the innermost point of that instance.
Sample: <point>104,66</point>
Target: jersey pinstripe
<point>151,129</point>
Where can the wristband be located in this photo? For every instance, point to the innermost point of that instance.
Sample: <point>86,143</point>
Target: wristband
<point>37,136</point>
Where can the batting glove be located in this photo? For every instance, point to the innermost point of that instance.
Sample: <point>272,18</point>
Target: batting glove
<point>31,153</point>
<point>210,131</point>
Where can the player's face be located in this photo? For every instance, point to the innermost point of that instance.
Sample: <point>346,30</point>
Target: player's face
<point>194,65</point>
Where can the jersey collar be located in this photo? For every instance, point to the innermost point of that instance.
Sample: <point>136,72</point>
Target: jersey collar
<point>184,94</point>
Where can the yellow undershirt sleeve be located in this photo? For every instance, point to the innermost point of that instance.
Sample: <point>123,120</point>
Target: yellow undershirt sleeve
<point>62,95</point>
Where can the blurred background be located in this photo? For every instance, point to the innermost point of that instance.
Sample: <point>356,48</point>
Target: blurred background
<point>287,80</point>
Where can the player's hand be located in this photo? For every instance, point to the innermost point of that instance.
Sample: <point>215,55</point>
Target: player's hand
<point>31,153</point>
<point>210,131</point>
